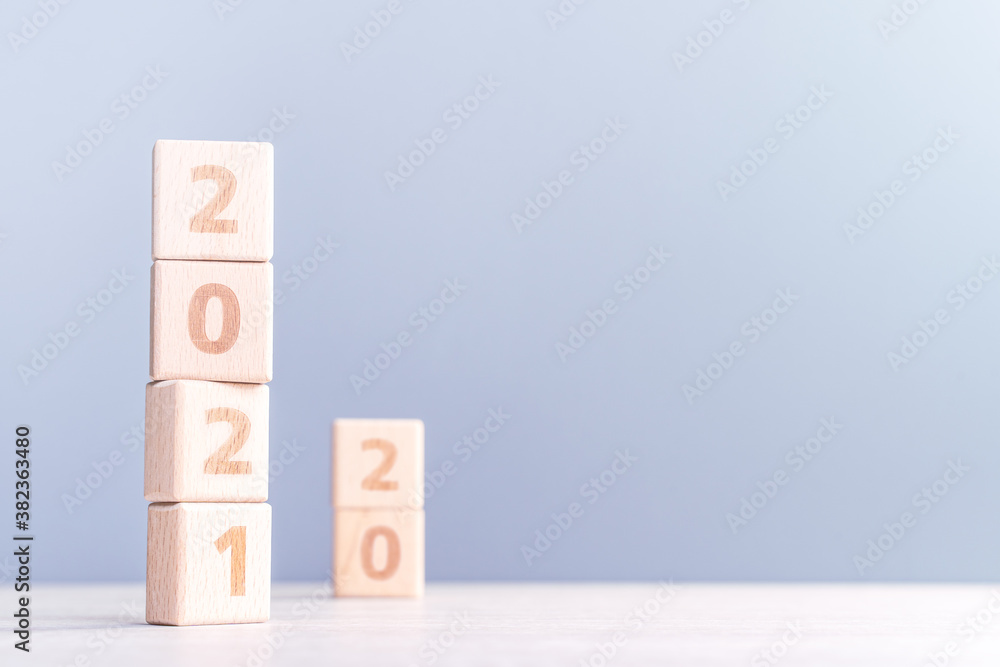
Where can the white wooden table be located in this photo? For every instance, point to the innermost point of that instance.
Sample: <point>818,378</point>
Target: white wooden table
<point>535,624</point>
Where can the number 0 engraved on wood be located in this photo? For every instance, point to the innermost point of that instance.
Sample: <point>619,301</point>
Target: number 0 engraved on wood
<point>392,552</point>
<point>230,318</point>
<point>204,221</point>
<point>218,463</point>
<point>236,539</point>
<point>374,481</point>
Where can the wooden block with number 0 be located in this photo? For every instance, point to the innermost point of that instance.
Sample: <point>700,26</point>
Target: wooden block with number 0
<point>208,563</point>
<point>206,441</point>
<point>211,321</point>
<point>378,552</point>
<point>213,200</point>
<point>378,463</point>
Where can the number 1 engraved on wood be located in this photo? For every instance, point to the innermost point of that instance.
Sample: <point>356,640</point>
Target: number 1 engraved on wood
<point>236,539</point>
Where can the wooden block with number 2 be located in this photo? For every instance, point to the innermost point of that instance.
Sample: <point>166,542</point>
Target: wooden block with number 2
<point>213,200</point>
<point>378,463</point>
<point>208,563</point>
<point>206,441</point>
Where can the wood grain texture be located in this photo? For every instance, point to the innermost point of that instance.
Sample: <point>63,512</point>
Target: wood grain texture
<point>208,563</point>
<point>378,463</point>
<point>206,441</point>
<point>211,321</point>
<point>378,552</point>
<point>213,200</point>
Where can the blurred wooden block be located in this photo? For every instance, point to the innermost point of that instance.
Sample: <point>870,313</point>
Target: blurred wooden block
<point>211,321</point>
<point>378,463</point>
<point>378,552</point>
<point>206,441</point>
<point>208,563</point>
<point>213,200</point>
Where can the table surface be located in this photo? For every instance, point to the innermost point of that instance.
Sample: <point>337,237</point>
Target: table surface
<point>537,624</point>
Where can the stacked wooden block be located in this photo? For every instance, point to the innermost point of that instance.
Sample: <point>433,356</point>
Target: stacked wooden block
<point>378,500</point>
<point>209,532</point>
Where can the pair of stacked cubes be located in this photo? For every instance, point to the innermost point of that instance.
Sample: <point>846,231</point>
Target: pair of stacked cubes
<point>209,532</point>
<point>378,500</point>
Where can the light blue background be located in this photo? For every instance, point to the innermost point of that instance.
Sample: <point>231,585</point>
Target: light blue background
<point>496,345</point>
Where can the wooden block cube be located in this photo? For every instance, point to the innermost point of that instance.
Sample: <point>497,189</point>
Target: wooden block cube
<point>378,463</point>
<point>206,441</point>
<point>378,552</point>
<point>211,321</point>
<point>213,200</point>
<point>208,563</point>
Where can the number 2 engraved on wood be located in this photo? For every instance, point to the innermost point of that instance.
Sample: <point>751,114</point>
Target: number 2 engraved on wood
<point>219,462</point>
<point>392,553</point>
<point>204,221</point>
<point>236,539</point>
<point>374,481</point>
<point>230,318</point>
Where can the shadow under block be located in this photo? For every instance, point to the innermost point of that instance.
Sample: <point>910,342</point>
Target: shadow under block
<point>213,200</point>
<point>378,552</point>
<point>211,321</point>
<point>206,441</point>
<point>378,463</point>
<point>208,563</point>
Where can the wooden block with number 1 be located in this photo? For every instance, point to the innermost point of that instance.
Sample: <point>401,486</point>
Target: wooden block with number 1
<point>208,563</point>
